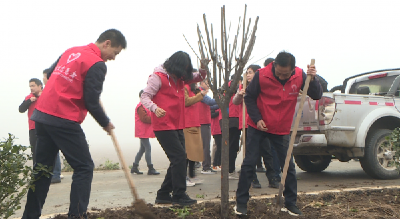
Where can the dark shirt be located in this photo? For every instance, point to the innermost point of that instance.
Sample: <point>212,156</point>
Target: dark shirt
<point>25,105</point>
<point>254,89</point>
<point>92,88</point>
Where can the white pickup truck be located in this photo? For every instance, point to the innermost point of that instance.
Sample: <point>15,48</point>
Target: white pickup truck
<point>352,123</point>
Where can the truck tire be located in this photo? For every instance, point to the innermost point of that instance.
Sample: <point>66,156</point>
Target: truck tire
<point>313,163</point>
<point>376,161</point>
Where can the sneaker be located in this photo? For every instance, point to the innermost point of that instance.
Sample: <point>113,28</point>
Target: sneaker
<point>209,171</point>
<point>292,210</point>
<point>274,183</point>
<point>233,175</point>
<point>163,199</point>
<point>183,200</point>
<point>61,176</point>
<point>240,209</point>
<point>55,180</point>
<point>196,180</point>
<point>189,183</point>
<point>260,170</point>
<point>216,168</point>
<point>256,184</point>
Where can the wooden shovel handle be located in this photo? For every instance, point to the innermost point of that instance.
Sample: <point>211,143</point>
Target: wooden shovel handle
<point>292,138</point>
<point>123,163</point>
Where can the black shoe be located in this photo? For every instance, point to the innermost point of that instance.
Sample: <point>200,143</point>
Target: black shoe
<point>240,209</point>
<point>152,171</point>
<point>292,210</point>
<point>183,200</point>
<point>260,170</point>
<point>274,183</point>
<point>55,180</point>
<point>163,199</point>
<point>135,169</point>
<point>256,184</point>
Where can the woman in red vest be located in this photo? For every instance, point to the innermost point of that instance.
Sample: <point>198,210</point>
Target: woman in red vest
<point>192,132</point>
<point>217,135</point>
<point>165,97</point>
<point>144,131</point>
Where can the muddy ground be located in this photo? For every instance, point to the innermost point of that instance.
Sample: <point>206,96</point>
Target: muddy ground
<point>377,203</point>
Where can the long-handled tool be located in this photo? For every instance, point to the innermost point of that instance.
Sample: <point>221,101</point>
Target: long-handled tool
<point>279,198</point>
<point>244,118</point>
<point>140,205</point>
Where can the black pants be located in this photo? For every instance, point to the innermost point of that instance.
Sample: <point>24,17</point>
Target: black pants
<point>72,143</point>
<point>234,136</point>
<point>173,144</point>
<point>32,142</point>
<point>217,155</point>
<point>281,144</point>
<point>190,165</point>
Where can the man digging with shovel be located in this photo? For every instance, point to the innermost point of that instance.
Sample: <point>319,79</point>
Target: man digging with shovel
<point>74,86</point>
<point>271,99</point>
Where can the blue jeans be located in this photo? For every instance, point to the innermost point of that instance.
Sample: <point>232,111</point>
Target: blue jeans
<point>145,148</point>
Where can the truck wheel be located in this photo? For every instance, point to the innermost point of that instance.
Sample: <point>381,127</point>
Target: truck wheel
<point>379,160</point>
<point>312,163</point>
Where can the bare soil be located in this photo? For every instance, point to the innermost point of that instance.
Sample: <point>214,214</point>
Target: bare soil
<point>381,203</point>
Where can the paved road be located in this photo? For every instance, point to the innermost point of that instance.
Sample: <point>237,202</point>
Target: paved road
<point>110,188</point>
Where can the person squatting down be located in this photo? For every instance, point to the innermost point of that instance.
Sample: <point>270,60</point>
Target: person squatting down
<point>144,131</point>
<point>165,97</point>
<point>271,99</point>
<point>74,87</point>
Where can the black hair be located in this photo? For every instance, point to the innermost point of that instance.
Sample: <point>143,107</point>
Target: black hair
<point>285,59</point>
<point>140,93</point>
<point>180,65</point>
<point>46,71</point>
<point>37,81</point>
<point>241,77</point>
<point>267,61</point>
<point>254,68</point>
<point>115,36</point>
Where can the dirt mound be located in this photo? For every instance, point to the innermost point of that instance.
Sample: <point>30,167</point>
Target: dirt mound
<point>381,203</point>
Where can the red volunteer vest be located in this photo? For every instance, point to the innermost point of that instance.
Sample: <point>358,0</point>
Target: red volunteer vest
<point>30,111</point>
<point>171,98</point>
<point>204,113</point>
<point>277,103</point>
<point>192,118</point>
<point>63,94</point>
<point>143,130</point>
<point>215,127</point>
<point>233,109</point>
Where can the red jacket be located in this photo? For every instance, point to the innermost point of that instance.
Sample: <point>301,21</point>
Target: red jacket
<point>205,113</point>
<point>30,111</point>
<point>277,103</point>
<point>63,95</point>
<point>192,118</point>
<point>215,127</point>
<point>142,130</point>
<point>171,98</point>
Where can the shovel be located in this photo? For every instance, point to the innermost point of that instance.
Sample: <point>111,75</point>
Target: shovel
<point>279,198</point>
<point>140,205</point>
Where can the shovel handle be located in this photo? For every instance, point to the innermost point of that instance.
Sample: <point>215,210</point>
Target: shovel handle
<point>123,163</point>
<point>279,203</point>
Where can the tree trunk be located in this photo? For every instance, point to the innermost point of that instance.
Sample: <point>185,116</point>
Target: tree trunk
<point>225,163</point>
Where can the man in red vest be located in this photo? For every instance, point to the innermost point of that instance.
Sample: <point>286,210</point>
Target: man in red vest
<point>74,87</point>
<point>29,104</point>
<point>271,99</point>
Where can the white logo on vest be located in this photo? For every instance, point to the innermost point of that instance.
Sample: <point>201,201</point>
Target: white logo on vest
<point>73,57</point>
